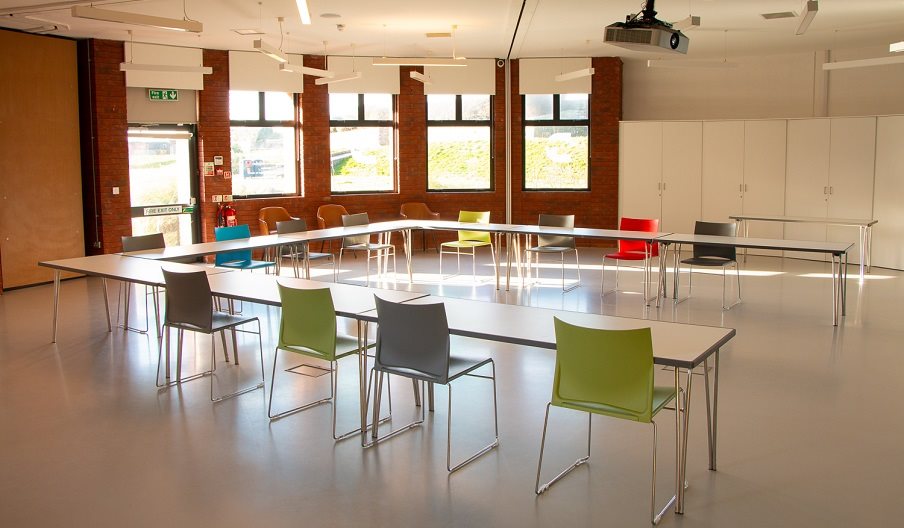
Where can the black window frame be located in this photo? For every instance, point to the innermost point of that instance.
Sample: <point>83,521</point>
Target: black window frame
<point>555,121</point>
<point>376,123</point>
<point>460,122</point>
<point>261,122</point>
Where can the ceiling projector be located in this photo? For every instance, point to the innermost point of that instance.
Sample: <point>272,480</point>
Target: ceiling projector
<point>644,32</point>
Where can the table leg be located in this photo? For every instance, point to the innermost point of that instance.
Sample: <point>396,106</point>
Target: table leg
<point>647,274</point>
<point>844,272</point>
<point>407,243</point>
<point>508,261</point>
<point>103,283</point>
<point>835,288</point>
<point>869,248</point>
<point>712,408</point>
<point>56,302</point>
<point>862,251</point>
<point>362,378</point>
<point>679,503</point>
<point>676,271</point>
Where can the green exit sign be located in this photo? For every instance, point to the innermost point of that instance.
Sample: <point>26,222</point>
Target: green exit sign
<point>156,94</point>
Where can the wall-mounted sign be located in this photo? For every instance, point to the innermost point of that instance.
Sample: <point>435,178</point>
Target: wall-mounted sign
<point>208,168</point>
<point>218,160</point>
<point>162,210</point>
<point>160,94</point>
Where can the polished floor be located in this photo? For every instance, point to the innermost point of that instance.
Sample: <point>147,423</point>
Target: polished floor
<point>810,424</point>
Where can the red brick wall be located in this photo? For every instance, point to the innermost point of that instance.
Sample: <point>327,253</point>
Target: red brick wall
<point>213,137</point>
<point>111,152</point>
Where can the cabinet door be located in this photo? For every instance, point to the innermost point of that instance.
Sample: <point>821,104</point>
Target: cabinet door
<point>765,148</point>
<point>682,147</point>
<point>852,162</point>
<point>888,234</point>
<point>640,169</point>
<point>723,169</point>
<point>807,179</point>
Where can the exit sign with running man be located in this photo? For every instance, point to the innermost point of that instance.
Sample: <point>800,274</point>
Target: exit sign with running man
<point>156,94</point>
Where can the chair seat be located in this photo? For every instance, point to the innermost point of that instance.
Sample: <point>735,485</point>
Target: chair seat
<point>551,249</point>
<point>626,255</point>
<point>346,345</point>
<point>247,264</point>
<point>661,397</point>
<point>465,244</point>
<point>708,261</point>
<point>315,256</point>
<point>458,366</point>
<point>367,247</point>
<point>221,321</point>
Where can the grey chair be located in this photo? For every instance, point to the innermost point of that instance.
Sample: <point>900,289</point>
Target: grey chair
<point>377,251</point>
<point>556,245</point>
<point>413,342</point>
<point>299,251</point>
<point>709,256</point>
<point>189,306</point>
<point>124,298</point>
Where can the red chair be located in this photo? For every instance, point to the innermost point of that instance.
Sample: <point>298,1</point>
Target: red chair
<point>632,250</point>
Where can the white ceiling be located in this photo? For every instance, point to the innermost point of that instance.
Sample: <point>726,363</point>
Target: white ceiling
<point>549,28</point>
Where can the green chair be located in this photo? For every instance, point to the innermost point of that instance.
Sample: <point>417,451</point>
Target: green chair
<point>468,240</point>
<point>308,327</point>
<point>607,372</point>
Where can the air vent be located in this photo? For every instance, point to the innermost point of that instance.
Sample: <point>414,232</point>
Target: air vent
<point>632,36</point>
<point>781,14</point>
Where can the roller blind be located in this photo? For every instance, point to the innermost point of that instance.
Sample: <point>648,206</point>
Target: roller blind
<point>537,76</point>
<point>168,55</point>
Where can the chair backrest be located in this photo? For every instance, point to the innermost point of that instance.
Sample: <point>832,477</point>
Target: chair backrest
<point>308,320</point>
<point>355,220</point>
<point>188,299</point>
<point>606,367</point>
<point>728,229</point>
<point>291,226</point>
<point>550,220</point>
<point>330,215</point>
<point>417,211</point>
<point>268,216</point>
<point>474,217</point>
<point>232,233</point>
<point>648,225</point>
<point>142,242</point>
<point>414,337</point>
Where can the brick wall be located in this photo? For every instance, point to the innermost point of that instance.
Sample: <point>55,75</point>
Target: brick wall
<point>109,128</point>
<point>213,137</point>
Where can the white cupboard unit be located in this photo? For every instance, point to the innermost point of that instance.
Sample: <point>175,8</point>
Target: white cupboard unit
<point>660,173</point>
<point>888,234</point>
<point>723,170</point>
<point>807,179</point>
<point>765,149</point>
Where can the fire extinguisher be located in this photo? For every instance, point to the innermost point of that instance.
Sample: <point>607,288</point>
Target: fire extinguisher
<point>225,215</point>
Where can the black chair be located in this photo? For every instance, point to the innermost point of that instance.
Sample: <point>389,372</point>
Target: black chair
<point>413,342</point>
<point>557,244</point>
<point>362,243</point>
<point>189,306</point>
<point>710,256</point>
<point>124,298</point>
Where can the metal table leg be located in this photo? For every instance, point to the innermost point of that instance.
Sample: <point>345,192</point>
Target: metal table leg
<point>712,408</point>
<point>56,302</point>
<point>103,283</point>
<point>682,478</point>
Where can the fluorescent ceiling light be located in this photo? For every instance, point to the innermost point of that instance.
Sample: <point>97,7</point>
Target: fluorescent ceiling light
<point>418,61</point>
<point>690,22</point>
<point>303,11</point>
<point>863,63</point>
<point>896,47</point>
<point>137,19</point>
<point>131,66</point>
<point>297,68</point>
<point>691,64</point>
<point>418,76</point>
<point>270,51</point>
<point>577,74</point>
<point>248,31</point>
<point>810,9</point>
<point>338,78</point>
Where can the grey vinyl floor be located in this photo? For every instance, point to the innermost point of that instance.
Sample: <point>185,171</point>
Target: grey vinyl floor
<point>810,427</point>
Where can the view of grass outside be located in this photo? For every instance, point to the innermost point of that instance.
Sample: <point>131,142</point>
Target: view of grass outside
<point>458,158</point>
<point>555,157</point>
<point>361,159</point>
<point>263,160</point>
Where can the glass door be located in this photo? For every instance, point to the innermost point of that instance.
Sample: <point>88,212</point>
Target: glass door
<point>163,188</point>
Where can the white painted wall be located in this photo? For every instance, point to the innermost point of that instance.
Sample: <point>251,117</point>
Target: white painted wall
<point>779,86</point>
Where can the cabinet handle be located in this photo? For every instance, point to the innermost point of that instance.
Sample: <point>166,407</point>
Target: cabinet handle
<point>825,190</point>
<point>831,189</point>
<point>740,187</point>
<point>745,187</point>
<point>663,186</point>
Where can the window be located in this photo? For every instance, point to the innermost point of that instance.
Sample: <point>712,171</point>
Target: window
<point>263,143</point>
<point>556,147</point>
<point>459,143</point>
<point>361,143</point>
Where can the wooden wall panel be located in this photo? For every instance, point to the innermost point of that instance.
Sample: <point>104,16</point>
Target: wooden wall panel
<point>40,176</point>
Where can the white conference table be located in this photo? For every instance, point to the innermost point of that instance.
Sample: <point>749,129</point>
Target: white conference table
<point>837,250</point>
<point>865,226</point>
<point>676,345</point>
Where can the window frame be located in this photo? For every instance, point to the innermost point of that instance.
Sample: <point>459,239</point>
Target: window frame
<point>361,122</point>
<point>555,121</point>
<point>460,122</point>
<point>261,122</point>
